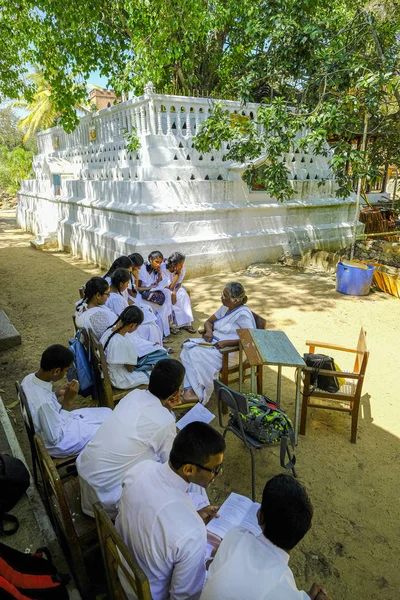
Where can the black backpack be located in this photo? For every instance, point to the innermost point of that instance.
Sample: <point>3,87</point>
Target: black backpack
<point>322,382</point>
<point>14,481</point>
<point>25,576</point>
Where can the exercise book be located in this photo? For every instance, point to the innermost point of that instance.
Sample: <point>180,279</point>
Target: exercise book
<point>236,510</point>
<point>197,413</point>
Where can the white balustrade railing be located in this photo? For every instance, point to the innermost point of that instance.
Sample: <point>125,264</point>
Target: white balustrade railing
<point>155,114</point>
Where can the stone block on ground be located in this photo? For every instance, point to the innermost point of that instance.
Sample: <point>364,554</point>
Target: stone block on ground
<point>9,336</point>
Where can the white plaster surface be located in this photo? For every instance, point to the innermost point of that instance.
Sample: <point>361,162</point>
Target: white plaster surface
<point>167,196</point>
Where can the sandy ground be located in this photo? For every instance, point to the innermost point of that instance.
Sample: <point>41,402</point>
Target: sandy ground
<point>354,488</point>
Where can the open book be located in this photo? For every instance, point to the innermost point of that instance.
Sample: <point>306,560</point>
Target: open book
<point>197,413</point>
<point>236,510</point>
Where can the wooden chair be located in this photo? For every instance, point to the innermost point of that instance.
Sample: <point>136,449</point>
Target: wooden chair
<point>60,464</point>
<point>117,556</point>
<point>227,371</point>
<point>63,500</point>
<point>237,402</point>
<point>349,393</point>
<point>107,394</point>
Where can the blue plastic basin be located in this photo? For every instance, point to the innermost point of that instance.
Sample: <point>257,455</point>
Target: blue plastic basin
<point>354,279</point>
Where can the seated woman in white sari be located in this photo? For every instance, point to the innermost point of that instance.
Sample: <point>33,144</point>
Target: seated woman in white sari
<point>120,353</point>
<point>91,311</point>
<point>201,357</point>
<point>174,271</point>
<point>152,283</point>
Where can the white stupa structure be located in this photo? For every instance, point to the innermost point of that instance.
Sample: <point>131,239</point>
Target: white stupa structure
<point>93,196</point>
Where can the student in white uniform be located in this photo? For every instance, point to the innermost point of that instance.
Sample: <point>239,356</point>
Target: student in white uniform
<point>64,432</point>
<point>246,566</point>
<point>141,427</point>
<point>153,285</point>
<point>159,522</point>
<point>120,353</point>
<point>151,328</point>
<point>117,301</point>
<point>122,262</point>
<point>91,311</point>
<point>174,272</point>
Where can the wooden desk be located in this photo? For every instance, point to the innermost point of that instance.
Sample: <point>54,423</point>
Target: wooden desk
<point>269,347</point>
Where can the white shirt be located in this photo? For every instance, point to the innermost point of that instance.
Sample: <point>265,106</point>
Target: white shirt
<point>117,303</point>
<point>98,318</point>
<point>168,276</point>
<point>139,428</point>
<point>163,529</point>
<point>250,567</point>
<point>63,432</point>
<point>120,352</point>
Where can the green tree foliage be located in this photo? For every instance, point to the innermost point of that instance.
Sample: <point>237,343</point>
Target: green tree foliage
<point>15,165</point>
<point>325,63</point>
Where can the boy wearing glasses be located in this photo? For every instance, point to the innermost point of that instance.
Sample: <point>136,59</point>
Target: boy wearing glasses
<point>158,519</point>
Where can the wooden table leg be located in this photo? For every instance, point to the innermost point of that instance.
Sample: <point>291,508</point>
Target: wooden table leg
<point>240,367</point>
<point>253,379</point>
<point>279,386</point>
<point>297,404</point>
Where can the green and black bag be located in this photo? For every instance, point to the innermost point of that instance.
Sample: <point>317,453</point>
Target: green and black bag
<point>267,423</point>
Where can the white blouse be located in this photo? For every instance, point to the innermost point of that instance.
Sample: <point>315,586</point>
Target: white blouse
<point>120,352</point>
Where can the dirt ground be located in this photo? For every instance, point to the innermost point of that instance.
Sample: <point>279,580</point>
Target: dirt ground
<point>354,488</point>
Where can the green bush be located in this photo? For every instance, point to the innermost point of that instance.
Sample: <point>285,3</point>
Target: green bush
<point>15,165</point>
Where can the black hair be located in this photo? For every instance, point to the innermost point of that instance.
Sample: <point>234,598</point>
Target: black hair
<point>137,259</point>
<point>130,314</point>
<point>119,277</point>
<point>95,285</point>
<point>123,262</point>
<point>175,259</point>
<point>56,357</point>
<point>152,256</point>
<point>195,443</point>
<point>287,511</point>
<point>166,378</point>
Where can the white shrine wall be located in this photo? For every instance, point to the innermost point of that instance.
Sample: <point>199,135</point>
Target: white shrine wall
<point>168,196</point>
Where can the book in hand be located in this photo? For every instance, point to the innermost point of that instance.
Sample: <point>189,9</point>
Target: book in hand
<point>236,510</point>
<point>197,413</point>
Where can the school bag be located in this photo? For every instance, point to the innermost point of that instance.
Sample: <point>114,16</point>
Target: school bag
<point>30,576</point>
<point>157,297</point>
<point>14,481</point>
<point>81,368</point>
<point>266,422</point>
<point>322,382</point>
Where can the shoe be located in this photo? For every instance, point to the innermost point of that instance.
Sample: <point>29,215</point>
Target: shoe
<point>170,350</point>
<point>189,328</point>
<point>174,329</point>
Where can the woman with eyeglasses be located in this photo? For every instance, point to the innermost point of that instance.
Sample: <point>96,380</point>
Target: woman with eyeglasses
<point>201,357</point>
<point>91,311</point>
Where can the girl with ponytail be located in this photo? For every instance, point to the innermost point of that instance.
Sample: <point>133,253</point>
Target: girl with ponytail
<point>120,353</point>
<point>117,301</point>
<point>91,311</point>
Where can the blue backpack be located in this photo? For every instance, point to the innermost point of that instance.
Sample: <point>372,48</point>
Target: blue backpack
<point>81,368</point>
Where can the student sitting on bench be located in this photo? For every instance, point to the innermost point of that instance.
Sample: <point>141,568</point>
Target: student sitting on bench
<point>64,432</point>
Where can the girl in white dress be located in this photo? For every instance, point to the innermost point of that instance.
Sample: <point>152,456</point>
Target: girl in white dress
<point>174,272</point>
<point>125,295</point>
<point>120,353</point>
<point>201,357</point>
<point>91,311</point>
<point>151,280</point>
<point>117,302</point>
